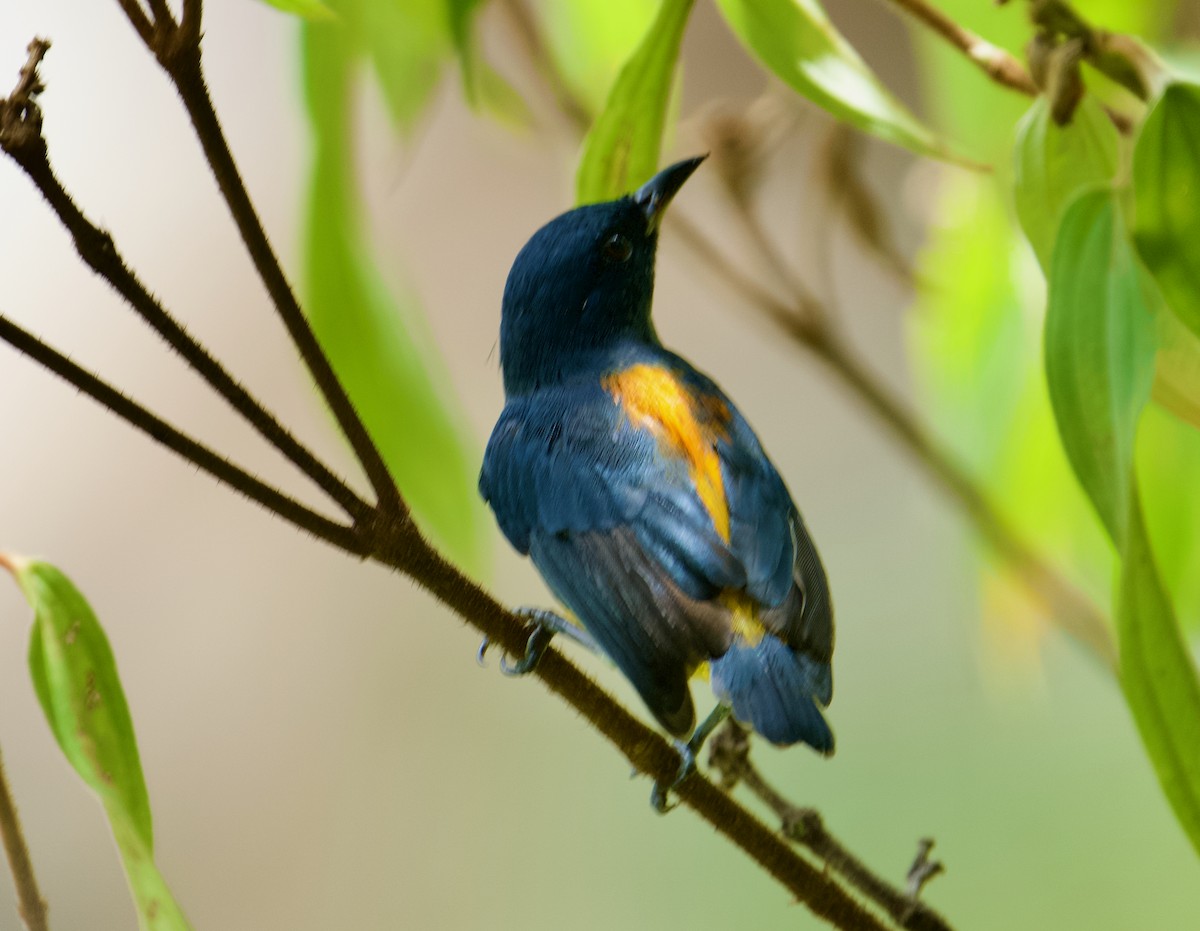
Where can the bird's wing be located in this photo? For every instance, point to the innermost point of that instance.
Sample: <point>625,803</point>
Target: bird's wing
<point>768,537</point>
<point>615,525</point>
<point>644,502</point>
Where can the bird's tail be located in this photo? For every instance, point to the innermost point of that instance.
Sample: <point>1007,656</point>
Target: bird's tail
<point>777,691</point>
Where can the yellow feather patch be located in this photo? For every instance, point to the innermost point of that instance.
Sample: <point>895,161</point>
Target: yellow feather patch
<point>686,425</point>
<point>744,616</point>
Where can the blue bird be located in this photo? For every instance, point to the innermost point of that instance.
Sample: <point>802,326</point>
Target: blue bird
<point>643,496</point>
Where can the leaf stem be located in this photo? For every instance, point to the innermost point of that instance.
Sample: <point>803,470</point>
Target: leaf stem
<point>30,905</point>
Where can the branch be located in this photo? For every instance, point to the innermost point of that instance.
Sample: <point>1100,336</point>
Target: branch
<point>21,138</point>
<point>644,748</point>
<point>30,905</point>
<point>177,49</point>
<point>400,547</point>
<point>729,755</point>
<point>169,436</point>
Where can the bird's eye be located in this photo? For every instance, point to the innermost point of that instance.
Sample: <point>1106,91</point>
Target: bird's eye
<point>617,248</point>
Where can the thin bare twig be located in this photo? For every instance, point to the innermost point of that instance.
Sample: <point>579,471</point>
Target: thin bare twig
<point>923,869</point>
<point>30,905</point>
<point>729,755</point>
<point>996,63</point>
<point>97,249</point>
<point>178,52</point>
<point>211,462</point>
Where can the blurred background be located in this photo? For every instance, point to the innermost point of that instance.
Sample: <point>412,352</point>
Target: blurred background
<point>321,748</point>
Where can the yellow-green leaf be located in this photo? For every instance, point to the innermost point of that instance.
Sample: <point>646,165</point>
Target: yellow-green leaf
<point>1177,370</point>
<point>1166,188</point>
<point>623,146</point>
<point>75,677</point>
<point>796,41</point>
<point>1055,163</point>
<point>590,40</point>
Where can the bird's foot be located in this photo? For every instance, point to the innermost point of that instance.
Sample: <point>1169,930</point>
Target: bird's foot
<point>687,758</point>
<point>544,625</point>
<point>659,795</point>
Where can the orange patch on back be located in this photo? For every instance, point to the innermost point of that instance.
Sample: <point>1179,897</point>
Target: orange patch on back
<point>686,425</point>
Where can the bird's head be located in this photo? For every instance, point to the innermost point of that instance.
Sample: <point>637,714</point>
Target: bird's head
<point>583,283</point>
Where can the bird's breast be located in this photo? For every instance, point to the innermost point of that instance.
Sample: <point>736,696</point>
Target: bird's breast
<point>688,424</point>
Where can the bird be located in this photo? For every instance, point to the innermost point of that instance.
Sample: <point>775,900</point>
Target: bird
<point>643,496</point>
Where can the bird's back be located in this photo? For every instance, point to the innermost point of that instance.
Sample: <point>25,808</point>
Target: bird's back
<point>646,501</point>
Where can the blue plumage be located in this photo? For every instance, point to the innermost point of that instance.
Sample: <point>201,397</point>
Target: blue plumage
<point>641,493</point>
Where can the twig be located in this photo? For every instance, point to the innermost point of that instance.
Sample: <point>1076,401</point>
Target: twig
<point>30,905</point>
<point>22,140</point>
<point>996,63</point>
<point>216,465</point>
<point>922,870</point>
<point>729,755</point>
<point>178,51</point>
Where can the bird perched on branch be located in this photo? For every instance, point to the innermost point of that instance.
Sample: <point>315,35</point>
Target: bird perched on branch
<point>644,497</point>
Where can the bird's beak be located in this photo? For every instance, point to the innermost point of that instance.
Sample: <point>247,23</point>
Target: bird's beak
<point>655,194</point>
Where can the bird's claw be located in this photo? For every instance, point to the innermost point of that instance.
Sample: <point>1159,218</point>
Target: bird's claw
<point>688,752</point>
<point>544,625</point>
<point>535,646</point>
<point>659,795</point>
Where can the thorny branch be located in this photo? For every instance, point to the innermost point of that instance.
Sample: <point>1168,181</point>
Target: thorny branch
<point>384,533</point>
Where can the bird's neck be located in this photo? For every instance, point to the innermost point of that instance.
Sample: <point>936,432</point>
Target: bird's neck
<point>537,365</point>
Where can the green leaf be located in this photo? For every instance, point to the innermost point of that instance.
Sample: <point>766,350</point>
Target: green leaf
<point>383,355</point>
<point>1159,678</point>
<point>798,43</point>
<point>1166,187</point>
<point>1055,163</point>
<point>623,146</point>
<point>306,9</point>
<point>1100,345</point>
<point>1177,370</point>
<point>589,40</point>
<point>75,677</point>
